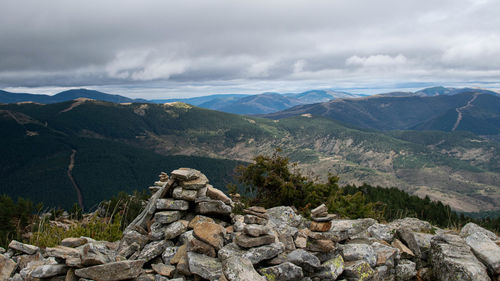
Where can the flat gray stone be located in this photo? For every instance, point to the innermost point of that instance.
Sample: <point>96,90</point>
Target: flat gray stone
<point>354,252</point>
<point>452,259</point>
<point>153,249</point>
<point>485,250</point>
<point>175,229</point>
<point>406,270</point>
<point>472,228</point>
<point>247,241</point>
<point>184,194</point>
<point>283,272</point>
<point>204,266</point>
<point>21,247</point>
<point>171,204</point>
<point>331,269</point>
<point>121,270</point>
<point>240,269</point>
<point>304,259</point>
<point>213,207</point>
<point>167,216</point>
<point>49,270</point>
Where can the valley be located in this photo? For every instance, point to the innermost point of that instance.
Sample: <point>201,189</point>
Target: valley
<point>459,168</point>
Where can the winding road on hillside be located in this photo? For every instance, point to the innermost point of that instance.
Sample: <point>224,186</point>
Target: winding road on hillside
<point>70,176</point>
<point>459,111</point>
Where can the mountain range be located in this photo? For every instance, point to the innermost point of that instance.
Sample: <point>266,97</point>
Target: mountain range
<point>476,111</point>
<point>232,103</point>
<point>116,146</point>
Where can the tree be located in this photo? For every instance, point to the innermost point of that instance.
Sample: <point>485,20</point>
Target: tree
<point>272,183</point>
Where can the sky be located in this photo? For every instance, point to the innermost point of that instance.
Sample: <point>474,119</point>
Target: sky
<point>165,49</point>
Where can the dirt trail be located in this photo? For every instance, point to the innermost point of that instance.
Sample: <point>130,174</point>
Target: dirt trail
<point>459,111</point>
<point>70,176</point>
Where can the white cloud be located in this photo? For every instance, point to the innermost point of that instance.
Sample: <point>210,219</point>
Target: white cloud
<point>376,61</point>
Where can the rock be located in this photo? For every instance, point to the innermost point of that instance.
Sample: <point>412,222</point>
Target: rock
<point>163,269</point>
<point>385,273</point>
<point>74,242</point>
<point>320,226</point>
<point>318,210</point>
<point>255,255</point>
<point>345,229</point>
<point>251,219</point>
<point>7,267</point>
<point>412,224</point>
<point>49,270</point>
<point>183,265</point>
<point>129,250</point>
<point>452,259</point>
<point>175,229</point>
<point>24,248</point>
<point>485,250</point>
<point>132,236</point>
<point>153,249</point>
<point>256,230</point>
<point>168,254</point>
<point>284,215</point>
<point>185,237</point>
<point>425,274</point>
<point>472,228</point>
<point>258,214</point>
<point>216,194</point>
<point>323,246</point>
<point>385,255</point>
<point>284,272</point>
<point>405,252</point>
<point>213,207</point>
<point>210,233</point>
<point>381,232</point>
<point>181,251</point>
<point>301,239</point>
<point>195,184</point>
<point>326,218</point>
<point>331,269</point>
<point>167,216</point>
<point>406,270</point>
<point>204,266</point>
<point>70,275</point>
<point>304,259</point>
<point>62,252</point>
<point>358,270</point>
<point>184,194</point>
<point>185,174</point>
<point>354,252</point>
<point>406,236</point>
<point>257,209</point>
<point>90,255</point>
<point>424,244</point>
<point>201,247</point>
<point>199,219</point>
<point>171,204</point>
<point>240,269</point>
<point>120,270</point>
<point>157,231</point>
<point>247,241</point>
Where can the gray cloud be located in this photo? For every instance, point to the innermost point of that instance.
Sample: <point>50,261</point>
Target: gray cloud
<point>236,42</point>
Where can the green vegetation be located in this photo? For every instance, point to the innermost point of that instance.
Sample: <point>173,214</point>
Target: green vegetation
<point>273,184</point>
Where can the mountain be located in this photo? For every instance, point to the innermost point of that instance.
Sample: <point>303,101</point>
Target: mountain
<point>205,101</point>
<point>476,112</point>
<point>116,143</point>
<point>8,97</point>
<point>316,96</point>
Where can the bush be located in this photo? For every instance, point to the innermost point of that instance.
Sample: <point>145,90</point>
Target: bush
<point>272,183</point>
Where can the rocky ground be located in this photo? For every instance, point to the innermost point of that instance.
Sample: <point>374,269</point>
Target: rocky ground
<point>188,232</point>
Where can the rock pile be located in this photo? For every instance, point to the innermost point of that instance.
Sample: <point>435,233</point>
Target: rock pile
<point>187,231</point>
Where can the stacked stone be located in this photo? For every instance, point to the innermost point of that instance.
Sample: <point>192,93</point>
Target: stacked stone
<point>179,238</point>
<point>184,233</point>
<point>255,232</point>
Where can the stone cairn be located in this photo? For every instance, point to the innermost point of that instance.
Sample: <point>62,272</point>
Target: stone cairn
<point>187,231</point>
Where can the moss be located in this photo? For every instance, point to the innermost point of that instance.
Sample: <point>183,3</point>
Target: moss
<point>269,276</point>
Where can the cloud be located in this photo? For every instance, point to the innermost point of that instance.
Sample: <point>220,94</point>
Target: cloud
<point>126,42</point>
<point>376,61</point>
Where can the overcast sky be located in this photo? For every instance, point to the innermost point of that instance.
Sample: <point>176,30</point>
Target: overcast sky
<point>164,48</point>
